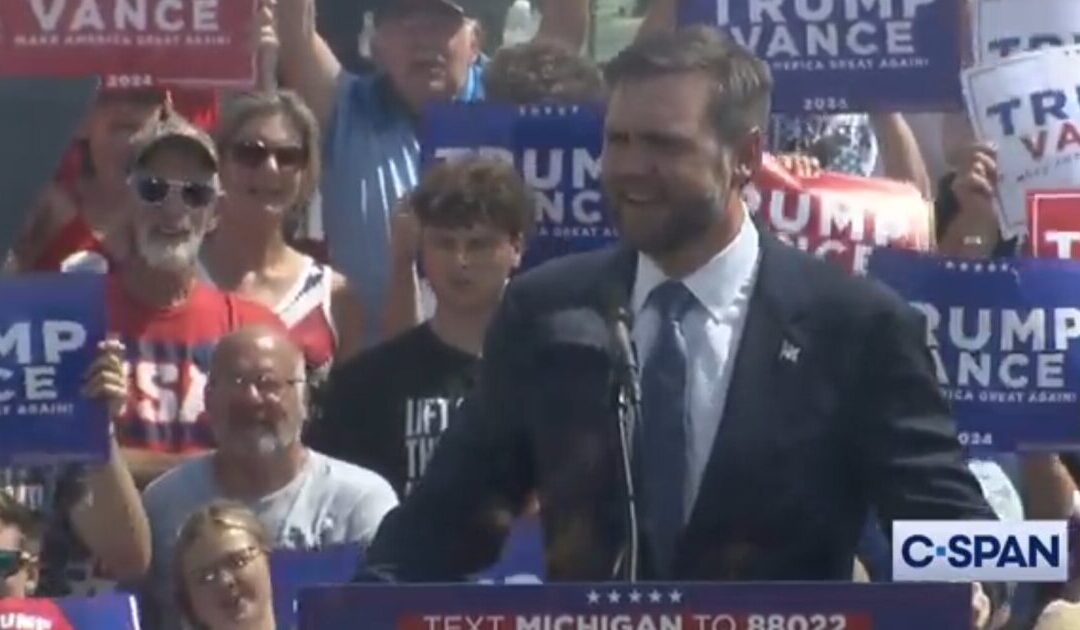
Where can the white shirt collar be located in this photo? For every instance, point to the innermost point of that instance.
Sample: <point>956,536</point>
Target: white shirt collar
<point>714,284</point>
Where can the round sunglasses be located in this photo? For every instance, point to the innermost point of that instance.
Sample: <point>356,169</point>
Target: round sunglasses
<point>155,190</point>
<point>254,154</point>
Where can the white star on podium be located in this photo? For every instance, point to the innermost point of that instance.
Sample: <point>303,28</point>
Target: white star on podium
<point>635,597</point>
<point>613,597</point>
<point>655,597</point>
<point>593,596</point>
<point>676,597</point>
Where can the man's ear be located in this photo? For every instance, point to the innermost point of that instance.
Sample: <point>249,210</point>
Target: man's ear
<point>518,243</point>
<point>747,157</point>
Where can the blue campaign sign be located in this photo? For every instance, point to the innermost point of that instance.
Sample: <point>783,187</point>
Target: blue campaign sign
<point>846,55</point>
<point>556,148</point>
<point>50,325</point>
<point>292,570</point>
<point>1005,340</point>
<point>845,606</point>
<point>102,612</point>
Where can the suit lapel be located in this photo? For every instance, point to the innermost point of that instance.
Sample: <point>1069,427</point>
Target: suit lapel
<point>756,394</point>
<point>615,283</point>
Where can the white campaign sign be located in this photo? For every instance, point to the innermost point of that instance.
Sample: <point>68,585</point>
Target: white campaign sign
<point>1006,27</point>
<point>1029,106</point>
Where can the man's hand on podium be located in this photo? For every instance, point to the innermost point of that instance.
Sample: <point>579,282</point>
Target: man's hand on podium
<point>980,608</point>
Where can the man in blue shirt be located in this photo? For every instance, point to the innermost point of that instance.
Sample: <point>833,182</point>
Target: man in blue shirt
<point>424,50</point>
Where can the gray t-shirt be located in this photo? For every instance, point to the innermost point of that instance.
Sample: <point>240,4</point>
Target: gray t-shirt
<point>330,502</point>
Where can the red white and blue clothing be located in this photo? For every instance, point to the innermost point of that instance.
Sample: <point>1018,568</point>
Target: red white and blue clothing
<point>168,352</point>
<point>305,311</point>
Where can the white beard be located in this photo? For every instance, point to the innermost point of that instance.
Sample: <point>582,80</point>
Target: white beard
<point>168,256</point>
<point>271,443</point>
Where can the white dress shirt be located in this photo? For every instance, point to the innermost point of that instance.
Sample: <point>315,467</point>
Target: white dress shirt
<point>712,328</point>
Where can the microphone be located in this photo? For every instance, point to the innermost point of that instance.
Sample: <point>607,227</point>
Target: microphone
<point>626,354</point>
<point>628,405</point>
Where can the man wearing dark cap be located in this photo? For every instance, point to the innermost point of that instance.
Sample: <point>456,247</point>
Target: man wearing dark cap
<point>424,50</point>
<point>167,320</point>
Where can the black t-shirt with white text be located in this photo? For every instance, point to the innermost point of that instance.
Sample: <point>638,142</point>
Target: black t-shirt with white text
<point>386,408</point>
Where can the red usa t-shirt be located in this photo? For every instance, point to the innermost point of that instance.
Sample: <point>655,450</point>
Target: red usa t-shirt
<point>168,358</point>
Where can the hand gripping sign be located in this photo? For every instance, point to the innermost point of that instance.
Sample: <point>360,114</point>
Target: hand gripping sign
<point>1028,105</point>
<point>131,43</point>
<point>50,325</point>
<point>839,217</point>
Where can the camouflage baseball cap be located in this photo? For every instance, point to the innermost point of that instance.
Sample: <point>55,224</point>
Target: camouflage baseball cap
<point>175,130</point>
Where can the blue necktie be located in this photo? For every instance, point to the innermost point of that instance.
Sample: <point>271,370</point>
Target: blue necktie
<point>661,442</point>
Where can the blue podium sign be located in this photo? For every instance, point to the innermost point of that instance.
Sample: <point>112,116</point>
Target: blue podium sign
<point>764,606</point>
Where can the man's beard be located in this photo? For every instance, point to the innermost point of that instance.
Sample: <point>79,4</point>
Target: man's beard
<point>168,256</point>
<point>272,443</point>
<point>687,221</point>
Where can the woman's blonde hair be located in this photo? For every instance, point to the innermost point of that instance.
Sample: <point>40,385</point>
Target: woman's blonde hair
<point>217,516</point>
<point>247,106</point>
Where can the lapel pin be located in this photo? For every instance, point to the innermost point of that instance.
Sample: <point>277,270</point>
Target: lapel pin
<point>789,352</point>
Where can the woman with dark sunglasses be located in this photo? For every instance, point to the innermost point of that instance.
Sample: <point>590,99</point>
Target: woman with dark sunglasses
<point>270,169</point>
<point>222,570</point>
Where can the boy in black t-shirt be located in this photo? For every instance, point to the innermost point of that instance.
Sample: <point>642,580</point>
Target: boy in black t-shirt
<point>386,408</point>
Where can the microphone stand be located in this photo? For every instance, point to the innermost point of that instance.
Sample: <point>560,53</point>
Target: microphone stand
<point>628,406</point>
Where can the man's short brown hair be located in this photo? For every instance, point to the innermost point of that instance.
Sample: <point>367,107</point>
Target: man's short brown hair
<point>467,191</point>
<point>742,83</point>
<point>542,72</point>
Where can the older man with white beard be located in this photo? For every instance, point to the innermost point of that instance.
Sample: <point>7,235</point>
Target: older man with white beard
<point>168,320</point>
<point>256,400</point>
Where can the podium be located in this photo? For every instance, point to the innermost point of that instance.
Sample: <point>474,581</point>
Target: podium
<point>645,606</point>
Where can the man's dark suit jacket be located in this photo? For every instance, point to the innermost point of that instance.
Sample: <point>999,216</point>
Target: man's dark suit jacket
<point>806,445</point>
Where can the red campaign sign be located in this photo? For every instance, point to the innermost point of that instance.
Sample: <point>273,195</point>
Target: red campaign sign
<point>841,217</point>
<point>131,43</point>
<point>1054,223</point>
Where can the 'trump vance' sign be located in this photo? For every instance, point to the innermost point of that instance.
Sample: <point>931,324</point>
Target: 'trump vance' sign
<point>1005,27</point>
<point>50,326</point>
<point>1028,105</point>
<point>556,149</point>
<point>131,43</point>
<point>846,55</point>
<point>1005,341</point>
<point>838,217</point>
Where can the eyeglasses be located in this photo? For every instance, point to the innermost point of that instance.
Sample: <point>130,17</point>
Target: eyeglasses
<point>155,190</point>
<point>12,561</point>
<point>254,154</point>
<point>265,384</point>
<point>233,564</point>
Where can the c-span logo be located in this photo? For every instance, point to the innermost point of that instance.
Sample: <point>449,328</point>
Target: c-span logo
<point>993,551</point>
